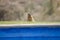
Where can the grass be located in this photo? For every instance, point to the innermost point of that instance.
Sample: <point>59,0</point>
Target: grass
<point>25,22</point>
<point>17,22</point>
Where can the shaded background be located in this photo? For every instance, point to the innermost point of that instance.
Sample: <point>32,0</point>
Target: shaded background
<point>41,10</point>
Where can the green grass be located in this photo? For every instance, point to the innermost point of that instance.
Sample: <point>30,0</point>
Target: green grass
<point>16,22</point>
<point>25,22</point>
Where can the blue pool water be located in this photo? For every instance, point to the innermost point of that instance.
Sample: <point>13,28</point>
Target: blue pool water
<point>30,33</point>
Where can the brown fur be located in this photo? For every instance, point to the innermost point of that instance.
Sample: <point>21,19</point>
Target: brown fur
<point>29,17</point>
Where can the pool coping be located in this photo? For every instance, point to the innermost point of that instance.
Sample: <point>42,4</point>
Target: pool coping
<point>27,25</point>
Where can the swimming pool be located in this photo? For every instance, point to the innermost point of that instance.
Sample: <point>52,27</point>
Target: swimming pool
<point>30,33</point>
